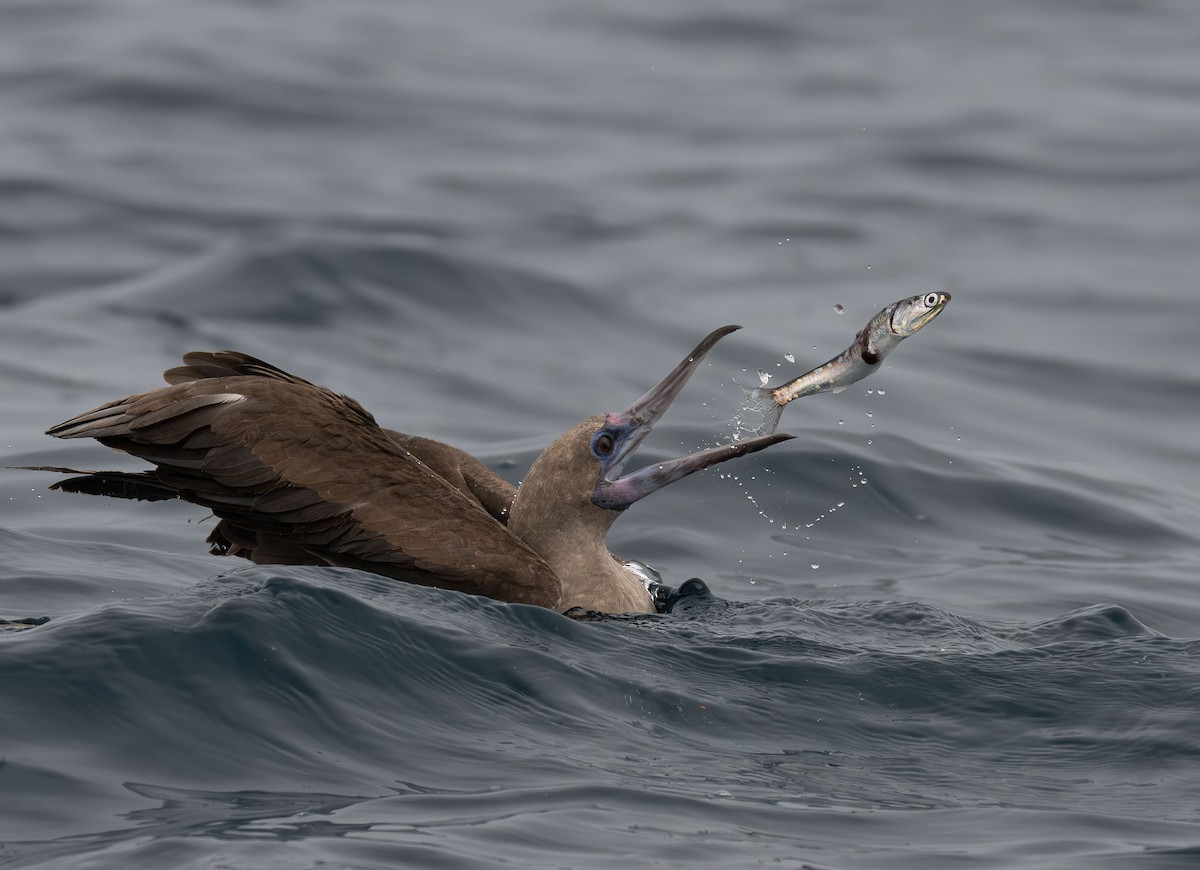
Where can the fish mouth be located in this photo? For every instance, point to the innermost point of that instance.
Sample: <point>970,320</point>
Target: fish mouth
<point>628,428</point>
<point>921,318</point>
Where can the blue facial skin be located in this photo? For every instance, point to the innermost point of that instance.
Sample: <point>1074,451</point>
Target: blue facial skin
<point>615,442</point>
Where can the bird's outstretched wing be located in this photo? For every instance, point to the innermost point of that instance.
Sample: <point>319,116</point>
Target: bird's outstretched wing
<point>459,468</point>
<point>298,473</point>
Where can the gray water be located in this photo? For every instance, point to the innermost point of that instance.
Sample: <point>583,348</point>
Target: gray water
<point>954,622</point>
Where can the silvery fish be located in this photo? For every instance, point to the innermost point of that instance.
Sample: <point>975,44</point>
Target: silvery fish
<point>874,341</point>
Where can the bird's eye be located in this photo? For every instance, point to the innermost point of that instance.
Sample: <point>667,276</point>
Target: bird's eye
<point>931,299</point>
<point>603,444</point>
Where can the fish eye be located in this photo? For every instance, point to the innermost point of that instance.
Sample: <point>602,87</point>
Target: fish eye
<point>603,444</point>
<point>931,299</point>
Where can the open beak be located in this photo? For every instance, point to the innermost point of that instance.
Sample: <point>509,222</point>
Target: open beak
<point>629,427</point>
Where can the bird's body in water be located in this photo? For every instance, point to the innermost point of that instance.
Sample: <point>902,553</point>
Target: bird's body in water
<point>298,474</point>
<point>874,341</point>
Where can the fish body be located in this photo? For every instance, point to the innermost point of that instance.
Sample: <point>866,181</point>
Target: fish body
<point>874,341</point>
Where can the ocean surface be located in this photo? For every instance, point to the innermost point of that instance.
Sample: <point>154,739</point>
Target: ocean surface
<point>954,624</point>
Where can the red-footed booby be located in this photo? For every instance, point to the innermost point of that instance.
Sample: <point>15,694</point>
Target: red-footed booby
<point>298,474</point>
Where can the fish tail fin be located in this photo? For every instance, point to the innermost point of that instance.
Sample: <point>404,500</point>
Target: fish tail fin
<point>758,392</point>
<point>760,402</point>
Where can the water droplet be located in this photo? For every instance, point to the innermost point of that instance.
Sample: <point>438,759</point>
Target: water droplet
<point>841,422</point>
<point>869,414</point>
<point>839,308</point>
<point>763,377</point>
<point>789,357</point>
<point>869,392</point>
<point>815,566</point>
<point>882,392</point>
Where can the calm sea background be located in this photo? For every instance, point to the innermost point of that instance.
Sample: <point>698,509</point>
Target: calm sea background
<point>954,622</point>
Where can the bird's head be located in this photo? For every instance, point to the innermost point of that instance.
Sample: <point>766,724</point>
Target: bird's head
<point>580,475</point>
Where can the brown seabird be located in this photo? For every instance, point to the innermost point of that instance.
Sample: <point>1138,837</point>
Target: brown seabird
<point>300,475</point>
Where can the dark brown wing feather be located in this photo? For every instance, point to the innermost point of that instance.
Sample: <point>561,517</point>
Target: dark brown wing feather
<point>462,471</point>
<point>457,467</point>
<point>141,485</point>
<point>298,473</point>
<point>200,365</point>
